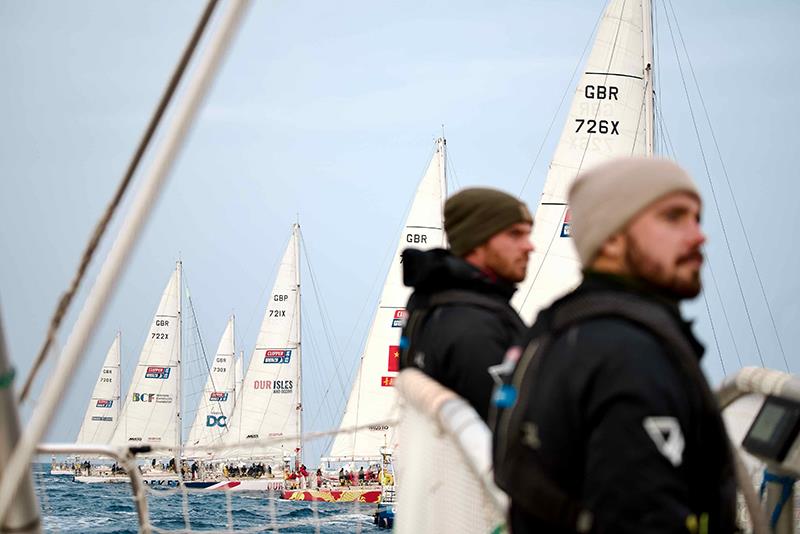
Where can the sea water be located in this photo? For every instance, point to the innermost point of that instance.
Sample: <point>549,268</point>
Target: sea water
<point>74,507</point>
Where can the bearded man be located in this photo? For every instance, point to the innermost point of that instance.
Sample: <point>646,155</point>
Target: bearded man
<point>615,428</point>
<point>460,322</point>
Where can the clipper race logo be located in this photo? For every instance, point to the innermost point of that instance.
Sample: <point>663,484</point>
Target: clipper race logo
<point>399,319</point>
<point>157,372</point>
<point>104,403</point>
<point>565,228</point>
<point>218,396</point>
<point>278,356</point>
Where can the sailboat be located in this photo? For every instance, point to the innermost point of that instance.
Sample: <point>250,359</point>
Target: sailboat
<point>364,433</point>
<point>217,398</point>
<point>152,411</point>
<point>102,413</point>
<point>269,403</point>
<point>611,116</point>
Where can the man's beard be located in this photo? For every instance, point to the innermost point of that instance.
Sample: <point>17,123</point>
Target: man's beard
<point>642,266</point>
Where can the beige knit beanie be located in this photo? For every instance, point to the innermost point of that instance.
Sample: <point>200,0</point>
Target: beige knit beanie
<point>605,198</point>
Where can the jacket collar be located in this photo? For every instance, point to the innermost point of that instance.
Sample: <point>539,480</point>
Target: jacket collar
<point>435,270</point>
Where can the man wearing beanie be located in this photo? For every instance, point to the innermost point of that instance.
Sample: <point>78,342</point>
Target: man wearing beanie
<point>459,319</point>
<point>615,428</point>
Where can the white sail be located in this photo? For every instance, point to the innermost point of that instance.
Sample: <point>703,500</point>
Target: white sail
<point>239,377</point>
<point>151,414</point>
<point>269,404</point>
<point>373,399</point>
<point>611,116</point>
<point>217,399</point>
<point>102,413</point>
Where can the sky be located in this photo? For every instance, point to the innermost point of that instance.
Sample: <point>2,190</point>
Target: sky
<point>326,113</point>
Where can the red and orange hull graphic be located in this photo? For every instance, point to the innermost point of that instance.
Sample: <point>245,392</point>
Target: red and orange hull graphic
<point>366,496</point>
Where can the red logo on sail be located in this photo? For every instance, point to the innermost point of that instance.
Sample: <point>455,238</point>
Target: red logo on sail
<point>394,358</point>
<point>387,381</point>
<point>218,396</point>
<point>399,319</point>
<point>157,372</point>
<point>104,403</point>
<point>565,228</point>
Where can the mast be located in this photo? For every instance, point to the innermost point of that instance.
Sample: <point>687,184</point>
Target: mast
<point>649,110</point>
<point>179,394</point>
<point>299,376</point>
<point>441,144</point>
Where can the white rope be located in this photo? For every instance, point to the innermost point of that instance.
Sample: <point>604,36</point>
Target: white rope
<point>101,292</point>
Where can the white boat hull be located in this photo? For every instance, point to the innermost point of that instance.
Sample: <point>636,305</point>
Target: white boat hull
<point>249,484</point>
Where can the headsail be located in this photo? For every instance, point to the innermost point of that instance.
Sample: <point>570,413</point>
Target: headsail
<point>611,116</point>
<point>217,399</point>
<point>373,399</point>
<point>239,377</point>
<point>269,404</point>
<point>102,413</point>
<point>152,407</point>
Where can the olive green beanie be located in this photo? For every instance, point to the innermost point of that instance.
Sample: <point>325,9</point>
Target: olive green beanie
<point>473,215</point>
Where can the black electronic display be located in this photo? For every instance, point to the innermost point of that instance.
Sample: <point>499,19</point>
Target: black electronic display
<point>774,430</point>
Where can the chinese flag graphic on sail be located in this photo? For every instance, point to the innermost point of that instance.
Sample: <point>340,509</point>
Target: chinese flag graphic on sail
<point>394,358</point>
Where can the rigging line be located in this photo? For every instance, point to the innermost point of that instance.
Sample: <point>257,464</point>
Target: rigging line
<point>561,103</point>
<point>451,165</point>
<point>321,309</point>
<point>724,312</point>
<point>730,189</point>
<point>655,81</point>
<point>197,330</point>
<point>714,333</point>
<point>100,229</point>
<point>386,269</point>
<point>714,193</point>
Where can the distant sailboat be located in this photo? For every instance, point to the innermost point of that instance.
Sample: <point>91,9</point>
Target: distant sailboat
<point>151,414</point>
<point>611,116</point>
<point>217,398</point>
<point>269,402</point>
<point>372,398</point>
<point>102,413</point>
<point>152,411</point>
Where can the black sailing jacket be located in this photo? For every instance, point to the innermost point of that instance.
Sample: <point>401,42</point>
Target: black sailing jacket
<point>606,402</point>
<point>459,341</point>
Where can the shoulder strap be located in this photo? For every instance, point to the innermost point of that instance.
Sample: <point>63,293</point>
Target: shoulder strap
<point>460,296</point>
<point>647,314</point>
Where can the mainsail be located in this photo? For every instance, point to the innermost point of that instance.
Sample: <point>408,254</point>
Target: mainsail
<point>152,407</point>
<point>611,116</point>
<point>269,402</point>
<point>102,413</point>
<point>373,400</point>
<point>217,399</point>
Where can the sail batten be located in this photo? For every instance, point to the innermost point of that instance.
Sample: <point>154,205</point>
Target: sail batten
<point>372,399</point>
